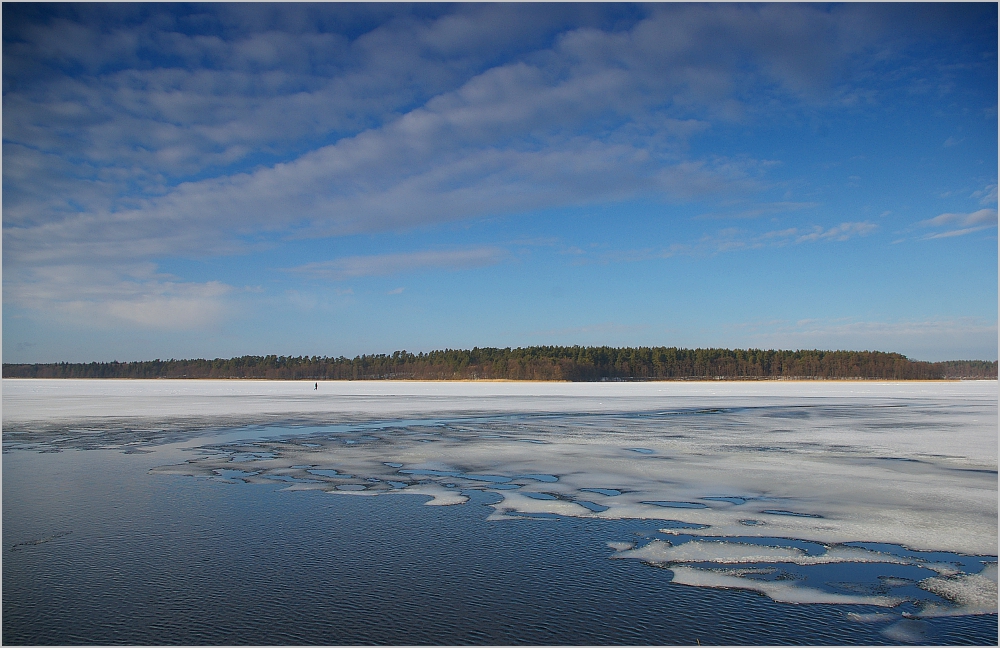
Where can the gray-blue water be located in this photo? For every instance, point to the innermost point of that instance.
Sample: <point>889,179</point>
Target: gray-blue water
<point>98,551</point>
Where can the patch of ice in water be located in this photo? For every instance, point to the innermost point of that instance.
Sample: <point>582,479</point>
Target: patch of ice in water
<point>966,593</point>
<point>610,492</point>
<point>240,457</point>
<point>907,631</point>
<point>229,473</point>
<point>351,487</point>
<point>621,546</point>
<point>496,479</point>
<point>432,473</point>
<point>326,472</point>
<point>542,478</point>
<point>723,552</point>
<point>440,496</point>
<point>780,591</point>
<point>872,617</point>
<point>518,502</point>
<point>730,499</point>
<point>791,513</point>
<point>675,527</point>
<point>289,479</point>
<point>969,593</point>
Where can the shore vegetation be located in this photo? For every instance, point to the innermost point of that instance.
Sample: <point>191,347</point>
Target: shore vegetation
<point>575,363</point>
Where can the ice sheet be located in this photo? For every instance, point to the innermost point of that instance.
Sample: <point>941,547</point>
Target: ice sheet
<point>909,464</point>
<point>212,403</point>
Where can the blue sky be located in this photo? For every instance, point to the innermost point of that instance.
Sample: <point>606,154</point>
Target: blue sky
<point>333,179</point>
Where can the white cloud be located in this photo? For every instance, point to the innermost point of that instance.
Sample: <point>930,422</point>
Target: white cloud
<point>402,263</point>
<point>974,218</point>
<point>841,232</point>
<point>961,224</point>
<point>987,195</point>
<point>736,239</point>
<point>135,295</point>
<point>730,239</point>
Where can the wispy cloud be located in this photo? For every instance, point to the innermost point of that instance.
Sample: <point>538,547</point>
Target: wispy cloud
<point>402,263</point>
<point>987,195</point>
<point>761,209</point>
<point>960,224</point>
<point>82,295</point>
<point>841,232</point>
<point>730,239</point>
<point>736,239</point>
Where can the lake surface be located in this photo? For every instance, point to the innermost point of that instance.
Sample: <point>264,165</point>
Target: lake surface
<point>223,512</point>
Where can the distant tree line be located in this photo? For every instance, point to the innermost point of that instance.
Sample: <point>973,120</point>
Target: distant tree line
<point>574,363</point>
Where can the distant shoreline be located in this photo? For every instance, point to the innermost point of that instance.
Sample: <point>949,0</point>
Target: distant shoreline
<point>511,380</point>
<point>540,364</point>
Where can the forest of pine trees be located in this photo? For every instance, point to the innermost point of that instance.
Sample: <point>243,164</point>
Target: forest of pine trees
<point>574,363</point>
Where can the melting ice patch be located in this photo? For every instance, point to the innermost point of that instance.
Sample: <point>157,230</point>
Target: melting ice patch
<point>664,552</point>
<point>967,593</point>
<point>781,591</point>
<point>961,593</point>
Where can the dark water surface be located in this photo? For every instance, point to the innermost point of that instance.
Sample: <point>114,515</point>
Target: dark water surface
<point>97,551</point>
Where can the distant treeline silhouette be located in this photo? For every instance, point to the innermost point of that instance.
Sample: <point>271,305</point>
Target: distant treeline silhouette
<point>534,363</point>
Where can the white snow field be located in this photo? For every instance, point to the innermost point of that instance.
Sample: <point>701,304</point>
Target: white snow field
<point>832,462</point>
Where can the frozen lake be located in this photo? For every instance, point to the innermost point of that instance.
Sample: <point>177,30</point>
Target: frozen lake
<point>869,507</point>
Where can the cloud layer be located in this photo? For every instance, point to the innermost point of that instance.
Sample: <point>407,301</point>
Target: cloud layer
<point>178,139</point>
<point>390,264</point>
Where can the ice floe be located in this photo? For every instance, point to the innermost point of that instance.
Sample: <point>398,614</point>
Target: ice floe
<point>781,591</point>
<point>968,593</point>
